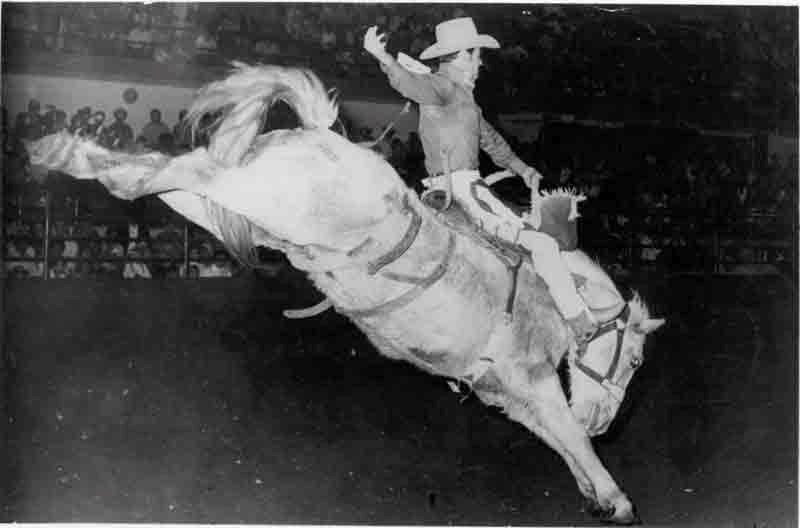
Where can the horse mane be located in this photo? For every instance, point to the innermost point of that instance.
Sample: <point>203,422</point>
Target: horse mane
<point>639,310</point>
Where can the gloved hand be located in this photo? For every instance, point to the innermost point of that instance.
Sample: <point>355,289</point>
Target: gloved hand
<point>532,178</point>
<point>375,44</point>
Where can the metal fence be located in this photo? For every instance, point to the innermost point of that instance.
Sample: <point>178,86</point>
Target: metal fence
<point>658,239</point>
<point>48,226</point>
<point>696,242</point>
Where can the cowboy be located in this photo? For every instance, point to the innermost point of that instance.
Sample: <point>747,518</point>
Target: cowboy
<point>453,131</point>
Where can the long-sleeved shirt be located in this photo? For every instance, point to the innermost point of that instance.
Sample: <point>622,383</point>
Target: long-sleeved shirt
<point>450,122</point>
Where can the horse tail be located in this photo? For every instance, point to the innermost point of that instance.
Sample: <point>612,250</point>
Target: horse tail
<point>241,101</point>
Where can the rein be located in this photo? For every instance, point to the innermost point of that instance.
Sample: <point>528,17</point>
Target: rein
<point>606,380</point>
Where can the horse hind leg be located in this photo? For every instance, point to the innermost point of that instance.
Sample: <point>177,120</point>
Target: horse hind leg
<point>534,399</point>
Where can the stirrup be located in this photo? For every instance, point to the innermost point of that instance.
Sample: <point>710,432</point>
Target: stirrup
<point>436,199</point>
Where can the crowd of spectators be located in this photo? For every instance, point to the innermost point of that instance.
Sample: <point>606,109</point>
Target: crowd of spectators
<point>682,211</point>
<point>116,134</point>
<point>651,210</point>
<point>563,58</point>
<point>167,33</point>
<point>82,243</point>
<point>85,249</point>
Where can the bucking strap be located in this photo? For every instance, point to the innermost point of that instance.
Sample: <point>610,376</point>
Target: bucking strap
<point>402,245</point>
<point>311,311</point>
<point>412,294</point>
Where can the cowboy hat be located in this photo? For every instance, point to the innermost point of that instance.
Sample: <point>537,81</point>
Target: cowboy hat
<point>456,35</point>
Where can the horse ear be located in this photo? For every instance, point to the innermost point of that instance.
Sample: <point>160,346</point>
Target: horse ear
<point>651,325</point>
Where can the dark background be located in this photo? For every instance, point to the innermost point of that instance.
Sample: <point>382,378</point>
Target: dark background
<point>194,401</point>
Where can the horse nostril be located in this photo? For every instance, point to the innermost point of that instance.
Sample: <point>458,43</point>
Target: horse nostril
<point>636,362</point>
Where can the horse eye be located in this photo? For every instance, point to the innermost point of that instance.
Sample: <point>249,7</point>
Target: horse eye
<point>636,362</point>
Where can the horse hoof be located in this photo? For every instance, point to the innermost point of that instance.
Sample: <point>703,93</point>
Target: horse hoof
<point>614,515</point>
<point>627,518</point>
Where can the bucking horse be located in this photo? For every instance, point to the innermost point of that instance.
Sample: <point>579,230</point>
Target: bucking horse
<point>422,289</point>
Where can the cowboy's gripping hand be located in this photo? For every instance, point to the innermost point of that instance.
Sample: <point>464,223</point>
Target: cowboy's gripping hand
<point>532,178</point>
<point>375,44</point>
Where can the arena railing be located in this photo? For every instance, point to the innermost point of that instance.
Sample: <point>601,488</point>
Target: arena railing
<point>42,239</point>
<point>713,240</point>
<point>705,245</point>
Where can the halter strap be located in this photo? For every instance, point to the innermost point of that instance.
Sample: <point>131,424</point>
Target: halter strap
<point>618,325</point>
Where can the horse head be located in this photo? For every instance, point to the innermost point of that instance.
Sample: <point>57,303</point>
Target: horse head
<point>601,371</point>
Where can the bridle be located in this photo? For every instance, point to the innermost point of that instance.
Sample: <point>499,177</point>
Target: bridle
<point>606,380</point>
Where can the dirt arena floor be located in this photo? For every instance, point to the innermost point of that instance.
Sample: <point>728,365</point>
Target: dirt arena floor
<point>144,401</point>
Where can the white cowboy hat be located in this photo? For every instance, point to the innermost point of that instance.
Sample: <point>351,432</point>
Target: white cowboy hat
<point>456,35</point>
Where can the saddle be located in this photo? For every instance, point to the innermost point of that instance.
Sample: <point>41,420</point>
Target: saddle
<point>457,218</point>
<point>513,255</point>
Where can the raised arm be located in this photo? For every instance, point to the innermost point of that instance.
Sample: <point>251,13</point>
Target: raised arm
<point>421,88</point>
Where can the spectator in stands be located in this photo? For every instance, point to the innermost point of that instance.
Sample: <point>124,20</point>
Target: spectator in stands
<point>90,253</point>
<point>94,125</point>
<point>58,270</point>
<point>152,131</point>
<point>166,144</point>
<point>140,145</point>
<point>71,251</point>
<point>79,122</point>
<point>327,37</point>
<point>55,120</point>
<point>140,38</point>
<point>137,249</point>
<point>119,134</point>
<point>12,253</point>
<point>116,251</point>
<point>34,269</point>
<point>30,124</point>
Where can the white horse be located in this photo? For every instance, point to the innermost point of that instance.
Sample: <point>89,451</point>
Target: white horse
<point>422,291</point>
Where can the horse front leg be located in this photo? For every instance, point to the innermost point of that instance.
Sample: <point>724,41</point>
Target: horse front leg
<point>533,397</point>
